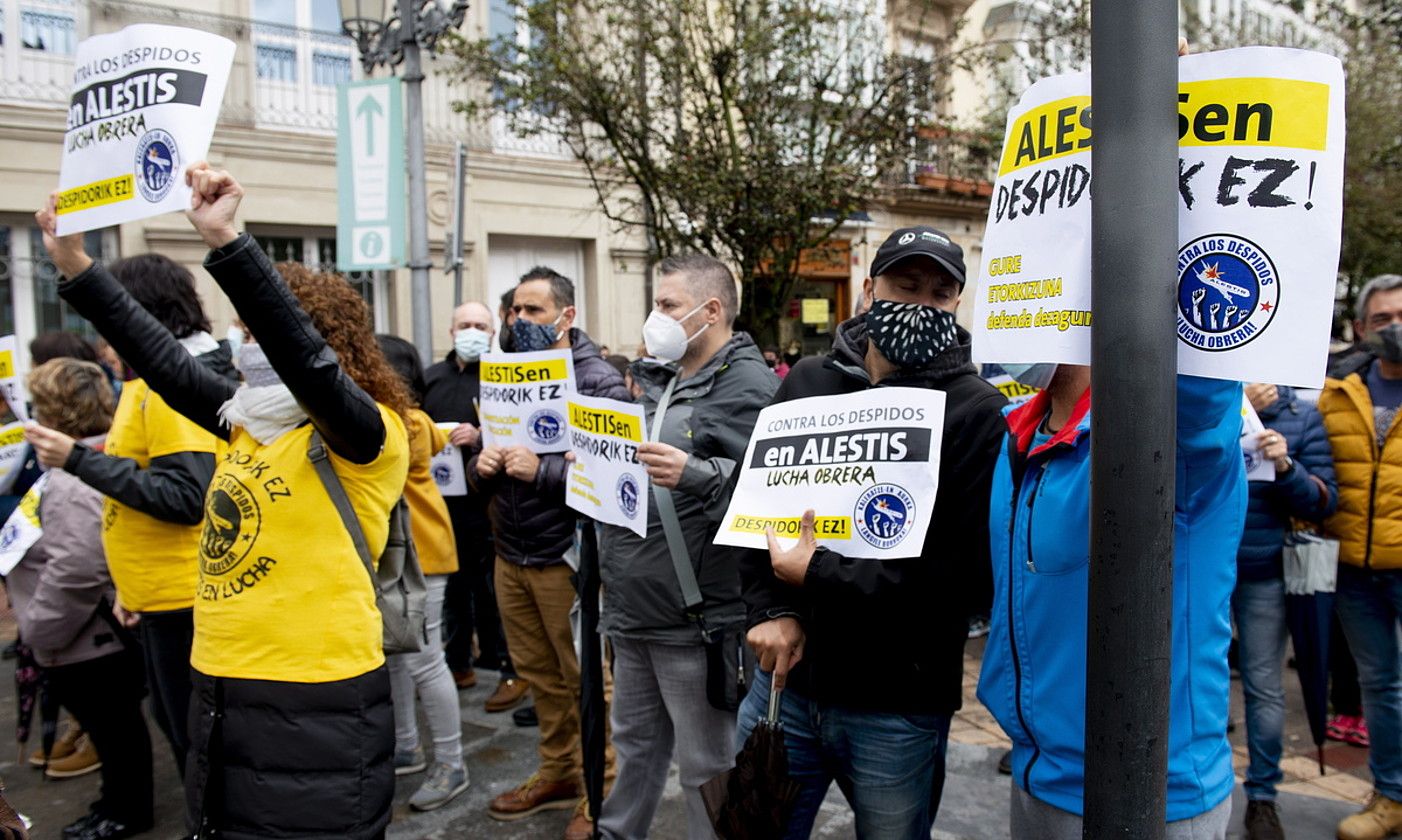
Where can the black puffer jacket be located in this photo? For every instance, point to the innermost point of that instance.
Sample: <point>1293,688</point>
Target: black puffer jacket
<point>531,523</point>
<point>901,623</point>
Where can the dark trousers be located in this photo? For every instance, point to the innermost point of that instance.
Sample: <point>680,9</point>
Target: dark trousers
<point>104,694</point>
<point>470,602</point>
<point>1345,697</point>
<point>166,638</point>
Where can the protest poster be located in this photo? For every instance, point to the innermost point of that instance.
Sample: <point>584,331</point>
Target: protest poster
<point>22,529</point>
<point>1260,198</point>
<point>867,465</point>
<point>1015,391</point>
<point>606,482</point>
<point>16,405</point>
<point>447,467</point>
<point>523,397</point>
<point>12,449</point>
<point>144,104</point>
<point>1258,468</point>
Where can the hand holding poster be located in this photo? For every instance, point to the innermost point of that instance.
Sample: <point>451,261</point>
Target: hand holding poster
<point>23,528</point>
<point>1260,198</point>
<point>1257,467</point>
<point>606,482</point>
<point>867,466</point>
<point>523,399</point>
<point>145,101</point>
<point>447,468</point>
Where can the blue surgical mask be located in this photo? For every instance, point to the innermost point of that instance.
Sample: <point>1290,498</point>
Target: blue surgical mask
<point>471,343</point>
<point>529,336</point>
<point>1038,375</point>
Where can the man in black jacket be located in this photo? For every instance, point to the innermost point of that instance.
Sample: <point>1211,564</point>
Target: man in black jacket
<point>534,531</point>
<point>813,613</point>
<point>450,396</point>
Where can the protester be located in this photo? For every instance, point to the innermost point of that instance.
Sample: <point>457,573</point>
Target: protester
<point>154,472</point>
<point>506,313</point>
<point>292,731</point>
<point>534,529</point>
<point>450,396</point>
<point>426,671</point>
<point>1346,724</point>
<point>62,597</point>
<point>60,345</point>
<point>882,736</point>
<point>1360,404</point>
<point>1034,666</point>
<point>776,362</point>
<point>1304,488</point>
<point>717,382</point>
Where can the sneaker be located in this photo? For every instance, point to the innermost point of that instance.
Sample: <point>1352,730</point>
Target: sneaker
<point>1338,724</point>
<point>407,762</point>
<point>1382,818</point>
<point>581,825</point>
<point>82,761</point>
<point>443,783</point>
<point>510,691</point>
<point>65,746</point>
<point>534,795</point>
<point>978,626</point>
<point>1358,735</point>
<point>1263,821</point>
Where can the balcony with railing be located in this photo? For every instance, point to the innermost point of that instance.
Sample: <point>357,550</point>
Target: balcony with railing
<point>950,163</point>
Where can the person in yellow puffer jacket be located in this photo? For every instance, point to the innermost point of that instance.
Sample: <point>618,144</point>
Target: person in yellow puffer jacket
<point>1360,404</point>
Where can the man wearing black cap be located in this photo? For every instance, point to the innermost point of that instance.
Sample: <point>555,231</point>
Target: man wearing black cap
<point>870,652</point>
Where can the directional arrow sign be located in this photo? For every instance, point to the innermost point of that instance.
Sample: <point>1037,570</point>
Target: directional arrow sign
<point>370,172</point>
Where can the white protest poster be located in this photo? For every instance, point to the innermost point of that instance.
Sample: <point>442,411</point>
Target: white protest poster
<point>1015,391</point>
<point>144,104</point>
<point>606,482</point>
<point>523,399</point>
<point>1260,198</point>
<point>867,464</point>
<point>12,449</point>
<point>15,407</point>
<point>447,467</point>
<point>1257,467</point>
<point>22,529</point>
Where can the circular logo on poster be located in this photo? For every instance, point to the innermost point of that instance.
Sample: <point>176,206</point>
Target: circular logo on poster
<point>441,474</point>
<point>9,535</point>
<point>231,522</point>
<point>1228,292</point>
<point>627,491</point>
<point>545,426</point>
<point>884,515</point>
<point>157,161</point>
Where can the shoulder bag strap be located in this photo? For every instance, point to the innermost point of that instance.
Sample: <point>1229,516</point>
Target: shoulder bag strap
<point>317,454</point>
<point>671,527</point>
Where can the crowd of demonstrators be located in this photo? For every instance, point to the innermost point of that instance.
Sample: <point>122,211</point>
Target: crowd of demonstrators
<point>62,595</point>
<point>702,387</point>
<point>451,389</point>
<point>534,532</point>
<point>815,614</point>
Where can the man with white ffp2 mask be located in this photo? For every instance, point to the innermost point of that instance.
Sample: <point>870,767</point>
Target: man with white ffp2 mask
<point>711,386</point>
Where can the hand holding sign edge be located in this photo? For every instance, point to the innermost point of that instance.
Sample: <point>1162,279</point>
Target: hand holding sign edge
<point>67,252</point>
<point>791,566</point>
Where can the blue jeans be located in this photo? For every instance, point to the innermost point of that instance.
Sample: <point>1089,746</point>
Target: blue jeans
<point>1369,605</point>
<point>1259,609</point>
<point>890,767</point>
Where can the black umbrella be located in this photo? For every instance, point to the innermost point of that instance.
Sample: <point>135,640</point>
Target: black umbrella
<point>32,691</point>
<point>753,800</point>
<point>1310,563</point>
<point>592,709</point>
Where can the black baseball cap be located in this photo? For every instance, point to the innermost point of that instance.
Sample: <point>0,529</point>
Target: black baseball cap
<point>922,241</point>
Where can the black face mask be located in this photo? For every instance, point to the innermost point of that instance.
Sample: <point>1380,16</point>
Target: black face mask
<point>771,362</point>
<point>910,334</point>
<point>507,340</point>
<point>1386,342</point>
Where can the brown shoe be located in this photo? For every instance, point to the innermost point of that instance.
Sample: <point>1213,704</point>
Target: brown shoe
<point>83,761</point>
<point>535,794</point>
<point>1382,818</point>
<point>465,679</point>
<point>581,825</point>
<point>510,691</point>
<point>66,745</point>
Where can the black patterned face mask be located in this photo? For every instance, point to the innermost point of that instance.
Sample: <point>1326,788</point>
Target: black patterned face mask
<point>910,334</point>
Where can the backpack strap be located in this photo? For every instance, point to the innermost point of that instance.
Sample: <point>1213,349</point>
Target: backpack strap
<point>321,462</point>
<point>672,528</point>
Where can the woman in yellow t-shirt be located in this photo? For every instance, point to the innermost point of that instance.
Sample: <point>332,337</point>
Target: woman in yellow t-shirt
<point>427,670</point>
<point>291,724</point>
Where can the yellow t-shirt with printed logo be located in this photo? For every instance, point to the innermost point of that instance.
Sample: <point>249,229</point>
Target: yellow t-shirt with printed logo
<point>282,593</point>
<point>153,562</point>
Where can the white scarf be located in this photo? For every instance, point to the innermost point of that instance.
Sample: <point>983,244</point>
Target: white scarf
<point>262,405</point>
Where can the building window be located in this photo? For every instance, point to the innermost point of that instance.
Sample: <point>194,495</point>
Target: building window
<point>47,32</point>
<point>7,282</point>
<point>318,253</point>
<point>52,313</point>
<point>330,70</point>
<point>279,12</point>
<point>278,64</point>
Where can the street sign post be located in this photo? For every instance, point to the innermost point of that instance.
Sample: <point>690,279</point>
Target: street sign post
<point>370,175</point>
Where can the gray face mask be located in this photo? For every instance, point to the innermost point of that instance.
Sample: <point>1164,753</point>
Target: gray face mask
<point>1386,342</point>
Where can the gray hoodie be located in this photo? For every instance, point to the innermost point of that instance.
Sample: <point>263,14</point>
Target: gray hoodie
<point>710,416</point>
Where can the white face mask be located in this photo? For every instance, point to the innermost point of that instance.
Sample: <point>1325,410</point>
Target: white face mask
<point>235,338</point>
<point>665,337</point>
<point>471,343</point>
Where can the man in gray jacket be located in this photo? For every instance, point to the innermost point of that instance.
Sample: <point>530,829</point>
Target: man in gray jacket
<point>660,704</point>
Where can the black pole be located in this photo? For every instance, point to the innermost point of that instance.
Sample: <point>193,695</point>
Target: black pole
<point>1134,81</point>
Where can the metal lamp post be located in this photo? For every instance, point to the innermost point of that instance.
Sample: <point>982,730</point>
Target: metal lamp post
<point>416,24</point>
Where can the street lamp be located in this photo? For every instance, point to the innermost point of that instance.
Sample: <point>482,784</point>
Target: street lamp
<point>416,24</point>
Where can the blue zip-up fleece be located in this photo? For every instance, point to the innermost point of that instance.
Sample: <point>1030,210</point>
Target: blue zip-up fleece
<point>1308,491</point>
<point>1034,666</point>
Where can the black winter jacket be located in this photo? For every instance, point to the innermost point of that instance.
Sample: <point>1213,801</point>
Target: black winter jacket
<point>888,635</point>
<point>531,523</point>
